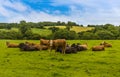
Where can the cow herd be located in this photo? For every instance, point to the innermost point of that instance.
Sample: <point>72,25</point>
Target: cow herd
<point>59,45</point>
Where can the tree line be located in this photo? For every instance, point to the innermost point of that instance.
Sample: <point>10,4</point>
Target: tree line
<point>99,32</point>
<point>37,25</point>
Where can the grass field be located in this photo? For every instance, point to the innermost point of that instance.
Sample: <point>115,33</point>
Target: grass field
<point>42,32</point>
<point>16,63</point>
<point>12,29</point>
<point>75,28</point>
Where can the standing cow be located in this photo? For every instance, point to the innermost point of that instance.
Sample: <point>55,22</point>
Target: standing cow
<point>58,43</point>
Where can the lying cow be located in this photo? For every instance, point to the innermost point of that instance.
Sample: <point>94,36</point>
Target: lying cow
<point>44,44</point>
<point>11,45</point>
<point>25,47</point>
<point>98,48</point>
<point>68,50</point>
<point>106,44</point>
<point>80,47</point>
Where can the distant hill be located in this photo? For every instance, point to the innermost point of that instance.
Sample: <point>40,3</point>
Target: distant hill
<point>74,28</point>
<point>46,31</point>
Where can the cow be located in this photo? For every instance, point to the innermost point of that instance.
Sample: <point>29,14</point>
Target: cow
<point>58,43</point>
<point>44,44</point>
<point>11,45</point>
<point>98,48</point>
<point>80,47</point>
<point>106,44</point>
<point>29,43</point>
<point>26,47</point>
<point>37,46</point>
<point>68,50</point>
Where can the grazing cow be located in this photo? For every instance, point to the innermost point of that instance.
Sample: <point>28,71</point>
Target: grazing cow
<point>26,47</point>
<point>44,43</point>
<point>106,44</point>
<point>98,48</point>
<point>11,45</point>
<point>58,43</point>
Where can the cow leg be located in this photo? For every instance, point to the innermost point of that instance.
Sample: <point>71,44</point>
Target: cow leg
<point>50,49</point>
<point>56,50</point>
<point>63,50</point>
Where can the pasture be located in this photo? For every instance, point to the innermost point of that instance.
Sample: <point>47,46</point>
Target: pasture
<point>75,28</point>
<point>16,63</point>
<point>42,32</point>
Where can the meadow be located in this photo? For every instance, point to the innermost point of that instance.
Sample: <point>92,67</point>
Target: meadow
<point>75,28</point>
<point>16,63</point>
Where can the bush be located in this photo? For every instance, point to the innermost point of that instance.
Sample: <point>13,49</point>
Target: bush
<point>10,35</point>
<point>65,34</point>
<point>89,36</point>
<point>104,35</point>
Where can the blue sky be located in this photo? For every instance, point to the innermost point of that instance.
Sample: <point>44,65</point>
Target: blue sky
<point>80,11</point>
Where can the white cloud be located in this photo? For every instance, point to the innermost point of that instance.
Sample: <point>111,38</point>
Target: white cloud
<point>38,16</point>
<point>92,12</point>
<point>16,5</point>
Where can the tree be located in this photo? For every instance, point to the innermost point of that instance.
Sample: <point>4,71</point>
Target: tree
<point>89,36</point>
<point>65,34</point>
<point>68,27</point>
<point>53,29</point>
<point>25,29</point>
<point>105,35</point>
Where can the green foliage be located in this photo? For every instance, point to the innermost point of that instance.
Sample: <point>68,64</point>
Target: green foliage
<point>65,34</point>
<point>89,36</point>
<point>10,35</point>
<point>25,30</point>
<point>41,29</point>
<point>105,35</point>
<point>24,27</point>
<point>53,29</point>
<point>107,31</point>
<point>68,27</point>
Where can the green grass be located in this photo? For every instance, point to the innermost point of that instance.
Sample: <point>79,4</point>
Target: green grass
<point>75,28</point>
<point>16,63</point>
<point>80,29</point>
<point>12,29</point>
<point>61,27</point>
<point>42,32</point>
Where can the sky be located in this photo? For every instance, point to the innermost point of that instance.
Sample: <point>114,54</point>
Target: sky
<point>84,12</point>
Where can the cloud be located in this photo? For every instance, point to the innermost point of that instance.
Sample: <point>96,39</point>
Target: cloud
<point>8,8</point>
<point>38,16</point>
<point>80,11</point>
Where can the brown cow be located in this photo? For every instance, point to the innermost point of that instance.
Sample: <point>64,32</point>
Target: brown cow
<point>44,44</point>
<point>84,46</point>
<point>106,44</point>
<point>29,43</point>
<point>98,48</point>
<point>11,45</point>
<point>37,46</point>
<point>58,43</point>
